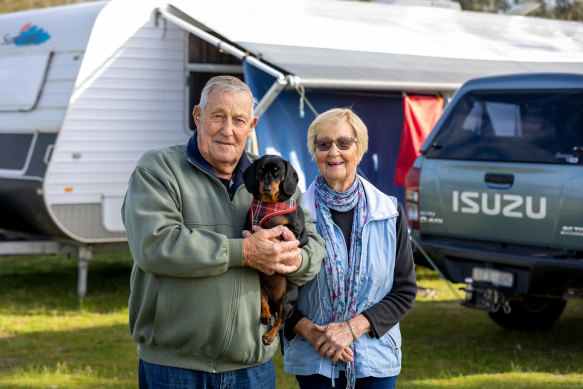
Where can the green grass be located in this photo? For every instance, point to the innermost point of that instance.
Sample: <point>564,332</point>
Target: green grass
<point>50,339</point>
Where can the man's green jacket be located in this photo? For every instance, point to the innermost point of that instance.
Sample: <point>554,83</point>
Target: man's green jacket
<point>193,303</point>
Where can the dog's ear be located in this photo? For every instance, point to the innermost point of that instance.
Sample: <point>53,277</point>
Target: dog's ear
<point>288,187</point>
<point>250,179</point>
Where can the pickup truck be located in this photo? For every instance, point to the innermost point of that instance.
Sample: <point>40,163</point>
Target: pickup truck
<point>495,200</point>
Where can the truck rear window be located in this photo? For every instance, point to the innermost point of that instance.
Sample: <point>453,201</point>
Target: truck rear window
<point>535,126</point>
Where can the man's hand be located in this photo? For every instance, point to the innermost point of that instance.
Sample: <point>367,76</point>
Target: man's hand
<point>264,251</point>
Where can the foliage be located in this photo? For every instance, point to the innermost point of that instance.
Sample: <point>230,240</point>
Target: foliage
<point>564,9</point>
<point>21,5</point>
<point>483,5</point>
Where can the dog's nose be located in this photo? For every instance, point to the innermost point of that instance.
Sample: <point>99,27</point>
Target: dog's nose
<point>266,188</point>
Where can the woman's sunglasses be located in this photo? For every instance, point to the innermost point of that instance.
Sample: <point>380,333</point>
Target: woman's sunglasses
<point>325,144</point>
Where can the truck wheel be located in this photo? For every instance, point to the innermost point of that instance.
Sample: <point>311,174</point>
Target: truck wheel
<point>530,314</point>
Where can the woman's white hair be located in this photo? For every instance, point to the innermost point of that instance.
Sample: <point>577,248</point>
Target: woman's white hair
<point>331,118</point>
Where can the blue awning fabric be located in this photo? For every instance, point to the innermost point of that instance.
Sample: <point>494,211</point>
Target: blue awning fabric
<point>281,129</point>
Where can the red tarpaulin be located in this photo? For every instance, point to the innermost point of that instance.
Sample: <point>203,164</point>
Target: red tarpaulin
<point>420,113</point>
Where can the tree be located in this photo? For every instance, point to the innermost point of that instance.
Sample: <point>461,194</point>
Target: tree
<point>484,5</point>
<point>564,9</point>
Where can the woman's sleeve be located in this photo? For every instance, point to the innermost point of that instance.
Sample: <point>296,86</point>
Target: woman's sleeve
<point>290,324</point>
<point>395,305</point>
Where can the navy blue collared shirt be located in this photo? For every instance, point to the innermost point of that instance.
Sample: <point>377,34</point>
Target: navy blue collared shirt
<point>194,155</point>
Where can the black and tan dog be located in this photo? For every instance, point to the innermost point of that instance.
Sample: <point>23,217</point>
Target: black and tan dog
<point>272,181</point>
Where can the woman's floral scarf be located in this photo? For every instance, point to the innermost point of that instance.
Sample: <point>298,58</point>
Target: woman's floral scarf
<point>342,283</point>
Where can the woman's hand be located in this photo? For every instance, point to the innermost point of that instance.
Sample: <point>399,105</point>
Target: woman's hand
<point>335,342</point>
<point>315,335</point>
<point>338,336</point>
<point>308,330</point>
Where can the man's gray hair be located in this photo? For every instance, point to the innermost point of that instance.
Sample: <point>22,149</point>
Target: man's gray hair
<point>225,84</point>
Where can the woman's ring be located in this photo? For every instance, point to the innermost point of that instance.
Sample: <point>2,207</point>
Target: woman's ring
<point>331,353</point>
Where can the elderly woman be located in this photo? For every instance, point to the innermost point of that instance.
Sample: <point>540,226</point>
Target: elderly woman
<point>345,330</point>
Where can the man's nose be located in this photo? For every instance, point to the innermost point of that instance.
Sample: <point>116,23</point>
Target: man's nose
<point>227,126</point>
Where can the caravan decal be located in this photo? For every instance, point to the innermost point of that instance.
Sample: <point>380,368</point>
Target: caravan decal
<point>28,35</point>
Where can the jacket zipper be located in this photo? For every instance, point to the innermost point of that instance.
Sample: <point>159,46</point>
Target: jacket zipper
<point>231,322</point>
<point>215,179</point>
<point>234,306</point>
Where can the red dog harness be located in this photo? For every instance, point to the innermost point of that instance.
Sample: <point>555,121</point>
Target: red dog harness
<point>262,211</point>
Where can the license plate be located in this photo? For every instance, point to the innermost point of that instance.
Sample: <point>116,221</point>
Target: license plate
<point>493,276</point>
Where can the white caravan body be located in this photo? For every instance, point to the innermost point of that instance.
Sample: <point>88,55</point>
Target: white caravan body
<point>90,89</point>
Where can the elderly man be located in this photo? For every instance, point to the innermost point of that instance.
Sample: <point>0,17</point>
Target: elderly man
<point>195,297</point>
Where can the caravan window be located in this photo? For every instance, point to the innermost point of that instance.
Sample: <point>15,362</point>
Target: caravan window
<point>14,151</point>
<point>204,62</point>
<point>21,80</point>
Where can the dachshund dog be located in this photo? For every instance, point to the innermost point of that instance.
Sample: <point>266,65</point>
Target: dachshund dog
<point>272,181</point>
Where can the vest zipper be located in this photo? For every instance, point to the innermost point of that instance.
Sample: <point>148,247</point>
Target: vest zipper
<point>392,342</point>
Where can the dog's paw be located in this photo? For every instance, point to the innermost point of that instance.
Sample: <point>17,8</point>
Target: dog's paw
<point>267,340</point>
<point>265,319</point>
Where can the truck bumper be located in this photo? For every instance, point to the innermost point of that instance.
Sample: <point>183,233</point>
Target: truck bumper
<point>535,272</point>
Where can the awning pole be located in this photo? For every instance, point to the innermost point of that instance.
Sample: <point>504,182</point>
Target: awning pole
<point>270,95</point>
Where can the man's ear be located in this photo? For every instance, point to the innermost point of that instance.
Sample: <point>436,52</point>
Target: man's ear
<point>250,179</point>
<point>252,126</point>
<point>196,112</point>
<point>290,181</point>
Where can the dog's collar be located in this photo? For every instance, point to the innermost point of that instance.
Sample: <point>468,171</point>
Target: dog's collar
<point>262,211</point>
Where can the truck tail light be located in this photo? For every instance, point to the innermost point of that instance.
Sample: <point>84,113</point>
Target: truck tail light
<point>412,197</point>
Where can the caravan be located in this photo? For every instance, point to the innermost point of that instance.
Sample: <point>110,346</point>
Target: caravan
<point>85,89</point>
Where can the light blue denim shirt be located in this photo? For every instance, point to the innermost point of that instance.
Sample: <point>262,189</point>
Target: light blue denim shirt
<point>373,357</point>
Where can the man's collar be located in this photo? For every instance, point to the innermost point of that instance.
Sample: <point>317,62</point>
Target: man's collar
<point>194,155</point>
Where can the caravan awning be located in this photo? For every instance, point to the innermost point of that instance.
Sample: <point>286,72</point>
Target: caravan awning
<point>368,45</point>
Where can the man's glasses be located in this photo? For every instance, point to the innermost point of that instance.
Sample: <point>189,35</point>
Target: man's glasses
<point>344,143</point>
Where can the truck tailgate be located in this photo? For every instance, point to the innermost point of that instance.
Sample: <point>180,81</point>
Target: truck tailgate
<point>515,203</point>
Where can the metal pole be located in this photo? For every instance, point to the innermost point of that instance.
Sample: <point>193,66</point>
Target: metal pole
<point>449,285</point>
<point>84,255</point>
